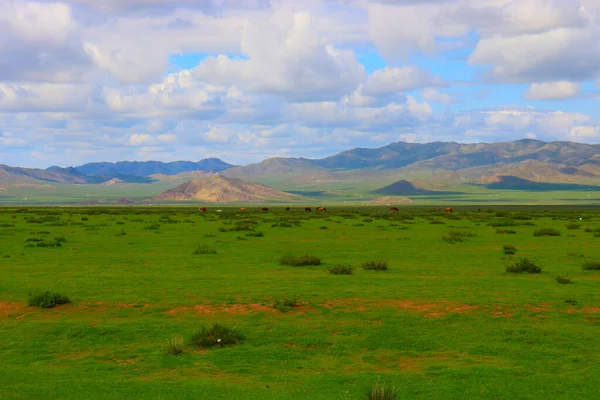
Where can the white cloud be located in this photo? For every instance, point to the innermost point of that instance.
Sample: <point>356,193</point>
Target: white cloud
<point>287,57</point>
<point>552,90</point>
<point>584,132</point>
<point>139,139</point>
<point>390,80</point>
<point>431,94</point>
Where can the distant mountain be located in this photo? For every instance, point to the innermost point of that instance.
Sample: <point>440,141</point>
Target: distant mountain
<point>456,156</point>
<point>515,183</point>
<point>220,189</point>
<point>55,174</point>
<point>147,168</point>
<point>406,188</point>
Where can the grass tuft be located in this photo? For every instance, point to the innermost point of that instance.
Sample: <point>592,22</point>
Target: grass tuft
<point>562,279</point>
<point>216,335</point>
<point>509,249</point>
<point>286,304</point>
<point>380,391</point>
<point>174,345</point>
<point>204,249</point>
<point>341,269</point>
<point>299,261</point>
<point>376,265</point>
<point>524,265</point>
<point>546,232</point>
<point>591,266</point>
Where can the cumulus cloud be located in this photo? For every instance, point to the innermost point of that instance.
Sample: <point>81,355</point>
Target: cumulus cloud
<point>390,80</point>
<point>432,94</point>
<point>552,90</point>
<point>287,57</point>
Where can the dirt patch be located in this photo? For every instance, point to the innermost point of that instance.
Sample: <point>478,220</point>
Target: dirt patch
<point>10,308</point>
<point>231,309</point>
<point>434,310</point>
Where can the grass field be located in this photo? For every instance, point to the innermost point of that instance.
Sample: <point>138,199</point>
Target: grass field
<point>445,321</point>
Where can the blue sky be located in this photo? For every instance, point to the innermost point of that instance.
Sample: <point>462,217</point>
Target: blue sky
<point>244,81</point>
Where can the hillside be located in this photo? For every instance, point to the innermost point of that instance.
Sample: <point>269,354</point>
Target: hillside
<point>515,183</point>
<point>147,168</point>
<point>406,188</point>
<point>220,189</point>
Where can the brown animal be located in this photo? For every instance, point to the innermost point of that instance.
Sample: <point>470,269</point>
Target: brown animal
<point>287,209</point>
<point>202,209</point>
<point>264,209</point>
<point>242,209</point>
<point>321,209</point>
<point>394,209</point>
<point>448,209</point>
<point>307,209</point>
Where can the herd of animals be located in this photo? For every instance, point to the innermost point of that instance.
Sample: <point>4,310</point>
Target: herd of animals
<point>319,209</point>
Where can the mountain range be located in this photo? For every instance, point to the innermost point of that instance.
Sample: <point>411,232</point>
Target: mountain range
<point>430,166</point>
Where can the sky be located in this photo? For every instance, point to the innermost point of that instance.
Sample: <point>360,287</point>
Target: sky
<point>89,80</point>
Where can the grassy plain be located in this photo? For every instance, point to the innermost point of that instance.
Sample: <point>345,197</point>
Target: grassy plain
<point>444,322</point>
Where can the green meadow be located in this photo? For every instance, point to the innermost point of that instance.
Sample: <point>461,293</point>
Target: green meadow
<point>444,321</point>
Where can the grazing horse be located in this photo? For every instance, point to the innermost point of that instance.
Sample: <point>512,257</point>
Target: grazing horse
<point>264,209</point>
<point>287,209</point>
<point>202,209</point>
<point>448,209</point>
<point>307,209</point>
<point>321,209</point>
<point>394,209</point>
<point>242,209</point>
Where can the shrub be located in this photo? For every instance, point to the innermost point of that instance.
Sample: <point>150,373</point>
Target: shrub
<point>377,265</point>
<point>546,232</point>
<point>216,335</point>
<point>46,299</point>
<point>506,231</point>
<point>591,266</point>
<point>572,225</point>
<point>286,304</point>
<point>562,279</point>
<point>255,234</point>
<point>509,249</point>
<point>204,249</point>
<point>456,236</point>
<point>323,227</point>
<point>380,391</point>
<point>152,227</point>
<point>367,220</point>
<point>524,265</point>
<point>122,233</point>
<point>571,301</point>
<point>174,345</point>
<point>437,222</point>
<point>341,269</point>
<point>298,261</point>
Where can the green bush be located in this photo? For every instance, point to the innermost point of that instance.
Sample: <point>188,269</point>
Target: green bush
<point>216,335</point>
<point>457,236</point>
<point>255,234</point>
<point>174,345</point>
<point>506,231</point>
<point>377,265</point>
<point>524,265</point>
<point>298,261</point>
<point>46,299</point>
<point>562,279</point>
<point>204,249</point>
<point>286,304</point>
<point>509,249</point>
<point>572,225</point>
<point>546,232</point>
<point>591,266</point>
<point>341,269</point>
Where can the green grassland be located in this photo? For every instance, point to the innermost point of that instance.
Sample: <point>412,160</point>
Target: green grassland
<point>446,321</point>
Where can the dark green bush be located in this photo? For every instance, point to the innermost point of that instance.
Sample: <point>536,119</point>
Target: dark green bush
<point>255,234</point>
<point>591,266</point>
<point>509,249</point>
<point>524,265</point>
<point>216,335</point>
<point>46,299</point>
<point>341,269</point>
<point>298,261</point>
<point>572,225</point>
<point>562,279</point>
<point>204,249</point>
<point>377,265</point>
<point>506,231</point>
<point>546,232</point>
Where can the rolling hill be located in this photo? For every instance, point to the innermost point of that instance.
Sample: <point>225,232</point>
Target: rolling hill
<point>220,189</point>
<point>147,168</point>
